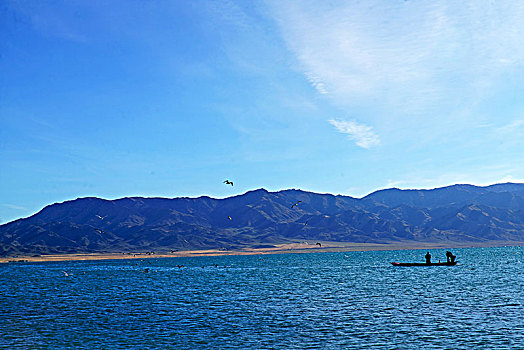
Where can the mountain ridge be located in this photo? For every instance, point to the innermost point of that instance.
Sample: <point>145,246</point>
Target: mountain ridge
<point>456,214</point>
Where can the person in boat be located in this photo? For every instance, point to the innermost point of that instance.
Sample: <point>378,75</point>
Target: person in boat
<point>450,257</point>
<point>428,258</point>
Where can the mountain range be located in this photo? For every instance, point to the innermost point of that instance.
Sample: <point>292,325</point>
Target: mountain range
<point>455,214</point>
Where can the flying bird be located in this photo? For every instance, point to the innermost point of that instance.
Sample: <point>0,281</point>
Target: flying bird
<point>65,273</point>
<point>229,217</point>
<point>227,182</point>
<point>319,244</point>
<point>305,223</point>
<point>101,217</point>
<point>99,230</point>
<point>294,205</point>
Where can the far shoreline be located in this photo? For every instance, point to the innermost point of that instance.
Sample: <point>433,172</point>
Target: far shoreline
<point>296,248</point>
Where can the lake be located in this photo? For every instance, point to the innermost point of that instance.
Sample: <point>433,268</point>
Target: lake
<point>303,301</point>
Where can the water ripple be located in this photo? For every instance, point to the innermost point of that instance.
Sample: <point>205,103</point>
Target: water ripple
<point>303,301</point>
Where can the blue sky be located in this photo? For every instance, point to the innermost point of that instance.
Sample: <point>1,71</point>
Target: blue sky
<point>170,98</point>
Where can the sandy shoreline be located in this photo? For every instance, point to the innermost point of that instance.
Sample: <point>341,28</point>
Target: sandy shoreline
<point>278,249</point>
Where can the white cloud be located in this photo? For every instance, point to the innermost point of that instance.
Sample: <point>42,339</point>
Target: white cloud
<point>317,83</point>
<point>395,183</point>
<point>509,135</point>
<point>481,175</point>
<point>511,128</point>
<point>12,206</point>
<point>362,134</point>
<point>428,59</point>
<point>510,178</point>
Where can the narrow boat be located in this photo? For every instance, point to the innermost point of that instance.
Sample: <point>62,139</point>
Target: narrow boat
<point>424,264</point>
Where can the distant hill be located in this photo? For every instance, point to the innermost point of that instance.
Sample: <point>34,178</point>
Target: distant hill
<point>454,214</point>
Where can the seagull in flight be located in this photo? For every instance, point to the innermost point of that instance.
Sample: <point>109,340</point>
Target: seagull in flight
<point>99,230</point>
<point>319,244</point>
<point>294,205</point>
<point>101,217</point>
<point>229,217</point>
<point>65,273</point>
<point>305,223</point>
<point>227,182</point>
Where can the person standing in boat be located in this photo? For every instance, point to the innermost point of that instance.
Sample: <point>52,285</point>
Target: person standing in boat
<point>450,257</point>
<point>428,258</point>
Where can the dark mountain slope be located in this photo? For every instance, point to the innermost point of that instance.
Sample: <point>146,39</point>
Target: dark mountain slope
<point>456,195</point>
<point>460,213</point>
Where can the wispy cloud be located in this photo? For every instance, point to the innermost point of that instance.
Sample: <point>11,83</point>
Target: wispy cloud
<point>426,59</point>
<point>12,206</point>
<point>511,128</point>
<point>481,175</point>
<point>52,22</point>
<point>395,183</point>
<point>510,178</point>
<point>317,83</point>
<point>362,134</point>
<point>509,135</point>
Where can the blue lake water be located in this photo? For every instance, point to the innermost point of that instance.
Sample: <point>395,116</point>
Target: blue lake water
<point>304,301</point>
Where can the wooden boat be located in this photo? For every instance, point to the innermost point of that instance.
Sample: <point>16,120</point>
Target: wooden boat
<point>424,264</point>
